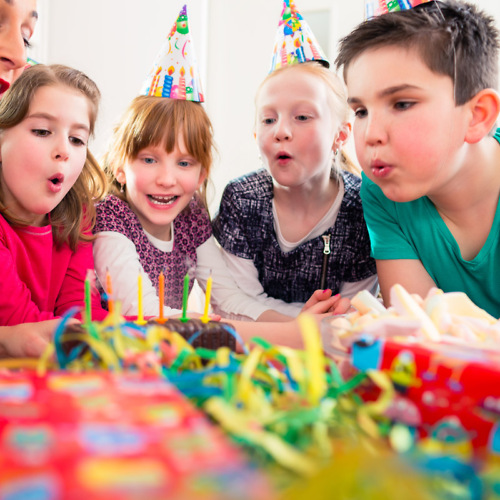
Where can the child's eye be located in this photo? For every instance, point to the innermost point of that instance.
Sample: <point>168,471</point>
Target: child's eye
<point>360,112</point>
<point>268,121</point>
<point>148,160</point>
<point>41,132</point>
<point>27,43</point>
<point>77,141</point>
<point>403,105</point>
<point>302,118</point>
<point>184,163</point>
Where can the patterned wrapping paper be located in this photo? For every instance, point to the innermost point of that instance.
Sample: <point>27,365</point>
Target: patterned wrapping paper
<point>174,73</point>
<point>101,435</point>
<point>449,393</point>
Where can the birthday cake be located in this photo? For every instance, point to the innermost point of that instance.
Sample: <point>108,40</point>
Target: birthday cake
<point>198,333</point>
<point>207,334</point>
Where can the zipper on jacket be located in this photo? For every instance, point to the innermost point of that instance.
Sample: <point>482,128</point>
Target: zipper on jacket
<point>326,252</point>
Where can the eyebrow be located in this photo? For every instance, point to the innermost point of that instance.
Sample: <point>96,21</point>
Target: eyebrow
<point>49,117</point>
<point>33,13</point>
<point>386,92</point>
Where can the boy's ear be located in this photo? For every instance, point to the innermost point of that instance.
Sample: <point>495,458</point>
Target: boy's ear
<point>484,108</point>
<point>342,135</point>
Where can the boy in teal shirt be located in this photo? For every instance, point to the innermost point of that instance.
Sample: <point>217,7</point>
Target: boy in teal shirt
<point>421,84</point>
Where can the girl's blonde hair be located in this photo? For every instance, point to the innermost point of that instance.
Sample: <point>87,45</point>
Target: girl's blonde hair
<point>155,121</point>
<point>73,218</point>
<point>338,101</point>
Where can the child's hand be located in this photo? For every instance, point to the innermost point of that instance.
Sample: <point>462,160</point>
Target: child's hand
<point>27,339</point>
<point>322,302</point>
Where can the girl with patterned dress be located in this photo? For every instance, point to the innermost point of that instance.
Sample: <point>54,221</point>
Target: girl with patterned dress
<point>154,218</point>
<point>298,225</point>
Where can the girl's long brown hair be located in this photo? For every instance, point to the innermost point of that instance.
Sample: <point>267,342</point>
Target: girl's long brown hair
<point>73,218</point>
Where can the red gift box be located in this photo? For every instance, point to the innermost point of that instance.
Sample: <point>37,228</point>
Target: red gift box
<point>121,436</point>
<point>449,393</point>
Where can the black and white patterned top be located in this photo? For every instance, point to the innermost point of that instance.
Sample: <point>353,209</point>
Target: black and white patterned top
<point>244,226</point>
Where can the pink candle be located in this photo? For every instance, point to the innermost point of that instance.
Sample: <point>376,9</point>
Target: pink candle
<point>283,55</point>
<point>314,49</point>
<point>182,85</point>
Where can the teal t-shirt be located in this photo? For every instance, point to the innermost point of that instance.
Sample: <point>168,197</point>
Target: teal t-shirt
<point>415,230</point>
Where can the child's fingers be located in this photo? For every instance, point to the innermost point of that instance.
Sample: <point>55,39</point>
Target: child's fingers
<point>317,296</point>
<point>341,306</point>
<point>322,307</point>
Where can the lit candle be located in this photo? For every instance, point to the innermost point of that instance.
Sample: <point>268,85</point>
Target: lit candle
<point>161,296</point>
<point>88,298</point>
<point>299,50</point>
<point>182,85</point>
<point>140,314</point>
<point>184,318</point>
<point>283,55</point>
<point>167,82</point>
<point>208,291</point>
<point>195,95</point>
<point>109,293</point>
<point>154,83</point>
<point>314,50</point>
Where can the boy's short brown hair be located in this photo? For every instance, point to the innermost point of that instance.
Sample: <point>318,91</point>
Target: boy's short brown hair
<point>453,38</point>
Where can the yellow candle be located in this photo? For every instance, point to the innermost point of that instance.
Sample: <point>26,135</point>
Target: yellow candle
<point>140,314</point>
<point>161,294</point>
<point>208,291</point>
<point>109,293</point>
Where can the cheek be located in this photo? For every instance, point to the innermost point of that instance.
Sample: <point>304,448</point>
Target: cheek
<point>191,182</point>
<point>263,141</point>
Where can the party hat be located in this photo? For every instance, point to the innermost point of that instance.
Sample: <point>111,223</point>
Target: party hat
<point>175,73</point>
<point>295,41</point>
<point>375,8</point>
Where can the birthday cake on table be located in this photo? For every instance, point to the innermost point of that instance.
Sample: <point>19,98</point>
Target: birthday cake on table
<point>200,333</point>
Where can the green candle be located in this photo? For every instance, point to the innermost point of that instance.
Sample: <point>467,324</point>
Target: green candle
<point>184,318</point>
<point>88,300</point>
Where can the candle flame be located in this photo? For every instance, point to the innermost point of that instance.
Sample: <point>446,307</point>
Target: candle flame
<point>182,71</point>
<point>171,70</point>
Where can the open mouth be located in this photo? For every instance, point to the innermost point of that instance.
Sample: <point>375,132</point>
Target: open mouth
<point>57,179</point>
<point>283,156</point>
<point>162,200</point>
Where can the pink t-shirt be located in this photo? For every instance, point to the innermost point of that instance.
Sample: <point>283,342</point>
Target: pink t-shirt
<point>39,281</point>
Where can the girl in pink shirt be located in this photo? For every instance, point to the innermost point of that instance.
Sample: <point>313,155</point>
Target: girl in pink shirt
<point>48,184</point>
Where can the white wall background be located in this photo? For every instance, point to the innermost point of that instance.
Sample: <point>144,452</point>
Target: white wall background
<point>115,42</point>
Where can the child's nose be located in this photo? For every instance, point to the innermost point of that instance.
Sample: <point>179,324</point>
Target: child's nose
<point>165,177</point>
<point>375,130</point>
<point>61,151</point>
<point>282,131</point>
